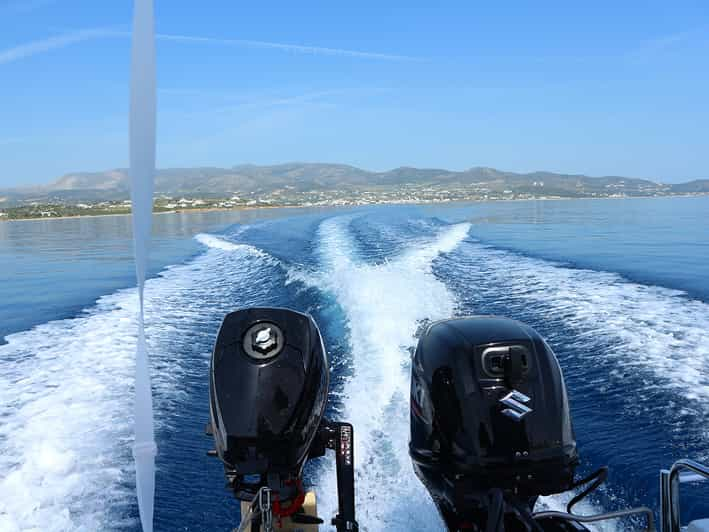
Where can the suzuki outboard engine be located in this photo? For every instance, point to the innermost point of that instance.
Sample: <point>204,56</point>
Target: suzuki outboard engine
<point>490,423</point>
<point>267,396</point>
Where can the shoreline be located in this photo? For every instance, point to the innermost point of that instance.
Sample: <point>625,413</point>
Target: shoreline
<point>186,211</point>
<point>260,207</point>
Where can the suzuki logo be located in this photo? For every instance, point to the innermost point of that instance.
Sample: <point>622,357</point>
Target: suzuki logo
<point>516,409</point>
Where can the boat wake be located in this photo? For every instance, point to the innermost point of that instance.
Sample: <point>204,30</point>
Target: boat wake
<point>65,386</point>
<point>217,242</point>
<point>384,306</point>
<point>634,330</point>
<point>66,389</point>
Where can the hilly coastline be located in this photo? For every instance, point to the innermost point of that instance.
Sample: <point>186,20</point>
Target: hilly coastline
<point>326,184</point>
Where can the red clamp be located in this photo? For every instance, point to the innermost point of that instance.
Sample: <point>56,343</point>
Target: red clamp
<point>294,506</point>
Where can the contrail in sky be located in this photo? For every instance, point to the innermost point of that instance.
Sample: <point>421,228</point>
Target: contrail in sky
<point>30,49</point>
<point>58,41</point>
<point>293,48</point>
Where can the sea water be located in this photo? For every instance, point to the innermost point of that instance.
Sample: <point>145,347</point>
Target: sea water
<point>618,287</point>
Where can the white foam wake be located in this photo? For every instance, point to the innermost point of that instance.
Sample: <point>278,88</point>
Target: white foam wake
<point>216,242</point>
<point>644,330</point>
<point>60,406</point>
<point>384,305</point>
<point>66,392</point>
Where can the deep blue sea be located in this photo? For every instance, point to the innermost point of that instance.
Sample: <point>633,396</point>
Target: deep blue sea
<point>620,289</point>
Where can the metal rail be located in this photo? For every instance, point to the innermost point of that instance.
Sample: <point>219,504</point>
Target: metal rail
<point>602,517</point>
<point>682,471</point>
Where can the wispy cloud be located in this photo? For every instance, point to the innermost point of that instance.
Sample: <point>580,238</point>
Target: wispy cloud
<point>292,48</point>
<point>51,43</point>
<point>652,48</point>
<point>30,49</point>
<point>260,104</point>
<point>24,6</point>
<point>12,140</point>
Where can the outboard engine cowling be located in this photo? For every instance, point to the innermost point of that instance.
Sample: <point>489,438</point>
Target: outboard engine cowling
<point>489,416</point>
<point>268,391</point>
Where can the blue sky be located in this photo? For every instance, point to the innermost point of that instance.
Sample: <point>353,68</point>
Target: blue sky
<point>602,88</point>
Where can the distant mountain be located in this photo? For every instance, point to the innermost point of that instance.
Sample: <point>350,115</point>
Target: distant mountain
<point>251,181</point>
<point>697,186</point>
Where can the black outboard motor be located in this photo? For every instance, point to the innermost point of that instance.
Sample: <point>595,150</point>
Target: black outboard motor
<point>267,396</point>
<point>490,423</point>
